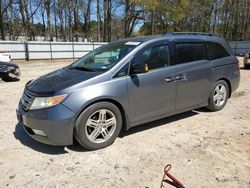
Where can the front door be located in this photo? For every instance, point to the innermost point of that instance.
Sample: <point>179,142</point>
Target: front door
<point>152,94</point>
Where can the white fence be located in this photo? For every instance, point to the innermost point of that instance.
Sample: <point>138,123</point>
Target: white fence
<point>59,50</point>
<point>16,48</point>
<point>47,50</point>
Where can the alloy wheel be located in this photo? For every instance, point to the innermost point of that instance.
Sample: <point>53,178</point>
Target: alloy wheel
<point>220,94</point>
<point>100,126</point>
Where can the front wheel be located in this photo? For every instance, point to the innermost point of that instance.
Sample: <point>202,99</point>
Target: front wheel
<point>98,126</point>
<point>218,96</point>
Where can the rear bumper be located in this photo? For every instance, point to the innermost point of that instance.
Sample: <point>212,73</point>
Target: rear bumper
<point>53,126</point>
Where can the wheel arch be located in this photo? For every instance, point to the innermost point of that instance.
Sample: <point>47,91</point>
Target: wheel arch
<point>228,83</point>
<point>116,103</point>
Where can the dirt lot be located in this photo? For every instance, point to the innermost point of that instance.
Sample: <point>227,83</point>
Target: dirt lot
<point>205,149</point>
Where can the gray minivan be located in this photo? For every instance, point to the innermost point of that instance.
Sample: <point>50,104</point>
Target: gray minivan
<point>126,83</point>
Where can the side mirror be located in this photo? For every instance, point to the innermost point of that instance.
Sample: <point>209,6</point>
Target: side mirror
<point>138,68</point>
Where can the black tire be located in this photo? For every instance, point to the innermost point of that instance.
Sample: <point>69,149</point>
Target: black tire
<point>9,79</point>
<point>211,103</point>
<point>80,126</point>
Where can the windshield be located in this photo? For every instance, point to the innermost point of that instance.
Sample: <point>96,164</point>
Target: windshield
<point>105,57</point>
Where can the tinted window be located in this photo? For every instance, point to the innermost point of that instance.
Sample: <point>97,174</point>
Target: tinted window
<point>155,57</point>
<point>216,51</point>
<point>187,52</point>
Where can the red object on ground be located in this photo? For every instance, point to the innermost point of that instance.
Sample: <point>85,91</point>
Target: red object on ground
<point>174,182</point>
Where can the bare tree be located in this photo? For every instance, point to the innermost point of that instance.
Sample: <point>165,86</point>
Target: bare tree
<point>3,9</point>
<point>107,21</point>
<point>98,16</point>
<point>48,9</point>
<point>131,16</point>
<point>70,20</point>
<point>1,22</point>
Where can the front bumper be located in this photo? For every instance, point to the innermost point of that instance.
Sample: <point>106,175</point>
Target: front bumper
<point>53,126</point>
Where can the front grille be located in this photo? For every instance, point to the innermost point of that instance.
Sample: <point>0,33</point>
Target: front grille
<point>27,100</point>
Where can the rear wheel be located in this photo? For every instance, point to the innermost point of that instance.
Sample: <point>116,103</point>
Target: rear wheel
<point>218,96</point>
<point>98,126</point>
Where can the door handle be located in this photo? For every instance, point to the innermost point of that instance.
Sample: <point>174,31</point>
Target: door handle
<point>169,79</point>
<point>180,77</point>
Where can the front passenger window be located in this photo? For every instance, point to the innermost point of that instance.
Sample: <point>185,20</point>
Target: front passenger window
<point>154,57</point>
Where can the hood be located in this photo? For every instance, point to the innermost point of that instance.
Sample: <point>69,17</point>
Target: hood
<point>53,82</point>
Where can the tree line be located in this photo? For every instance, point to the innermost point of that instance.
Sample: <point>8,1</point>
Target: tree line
<point>107,20</point>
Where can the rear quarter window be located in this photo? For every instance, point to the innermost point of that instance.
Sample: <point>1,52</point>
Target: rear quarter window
<point>216,51</point>
<point>188,52</point>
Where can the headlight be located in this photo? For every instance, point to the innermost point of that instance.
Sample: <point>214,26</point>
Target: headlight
<point>45,102</point>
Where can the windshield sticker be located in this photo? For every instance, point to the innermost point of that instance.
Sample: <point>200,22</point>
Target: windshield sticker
<point>132,43</point>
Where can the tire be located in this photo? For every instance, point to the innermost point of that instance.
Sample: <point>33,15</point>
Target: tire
<point>98,125</point>
<point>9,79</point>
<point>218,102</point>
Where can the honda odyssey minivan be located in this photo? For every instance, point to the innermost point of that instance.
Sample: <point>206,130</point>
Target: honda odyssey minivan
<point>127,83</point>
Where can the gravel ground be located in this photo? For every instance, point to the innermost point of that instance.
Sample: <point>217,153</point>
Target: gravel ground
<point>205,149</point>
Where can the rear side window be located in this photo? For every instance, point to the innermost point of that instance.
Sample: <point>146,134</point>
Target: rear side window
<point>216,51</point>
<point>188,52</point>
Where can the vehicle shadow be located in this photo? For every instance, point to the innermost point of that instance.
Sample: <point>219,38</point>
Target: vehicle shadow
<point>203,109</point>
<point>77,147</point>
<point>157,123</point>
<point>245,68</point>
<point>26,140</point>
<point>12,80</point>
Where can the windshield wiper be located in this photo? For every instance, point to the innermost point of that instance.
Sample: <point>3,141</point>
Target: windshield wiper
<point>82,69</point>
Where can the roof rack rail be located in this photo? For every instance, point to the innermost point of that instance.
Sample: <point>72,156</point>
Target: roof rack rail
<point>189,33</point>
